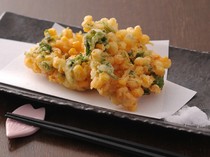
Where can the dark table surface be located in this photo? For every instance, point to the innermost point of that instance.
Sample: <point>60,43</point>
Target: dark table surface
<point>184,23</point>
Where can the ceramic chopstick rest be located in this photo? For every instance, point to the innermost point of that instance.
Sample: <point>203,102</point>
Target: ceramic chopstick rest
<point>15,129</point>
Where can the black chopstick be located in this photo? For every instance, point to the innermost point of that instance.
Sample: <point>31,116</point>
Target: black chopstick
<point>96,138</point>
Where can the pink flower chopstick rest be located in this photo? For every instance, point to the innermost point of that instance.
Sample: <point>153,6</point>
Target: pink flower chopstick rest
<point>15,129</point>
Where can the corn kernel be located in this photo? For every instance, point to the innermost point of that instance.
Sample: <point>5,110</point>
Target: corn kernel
<point>137,92</point>
<point>118,59</point>
<point>155,89</point>
<point>100,46</point>
<point>113,48</point>
<point>79,73</point>
<point>76,45</point>
<point>67,33</point>
<point>132,84</point>
<point>145,39</point>
<point>52,32</point>
<point>147,80</point>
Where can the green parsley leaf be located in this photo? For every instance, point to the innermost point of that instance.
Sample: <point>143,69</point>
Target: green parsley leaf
<point>159,81</point>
